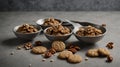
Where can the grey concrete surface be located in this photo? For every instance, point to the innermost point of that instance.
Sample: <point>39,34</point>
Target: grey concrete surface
<point>22,58</point>
<point>59,5</point>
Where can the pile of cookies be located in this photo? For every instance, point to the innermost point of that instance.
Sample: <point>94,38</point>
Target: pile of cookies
<point>51,22</point>
<point>27,28</point>
<point>101,52</point>
<point>58,30</point>
<point>88,31</point>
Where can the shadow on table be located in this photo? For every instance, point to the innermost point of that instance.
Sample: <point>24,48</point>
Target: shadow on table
<point>13,42</point>
<point>84,46</point>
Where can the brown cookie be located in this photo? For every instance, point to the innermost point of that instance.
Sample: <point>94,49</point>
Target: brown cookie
<point>74,58</point>
<point>39,49</point>
<point>92,53</point>
<point>64,54</point>
<point>58,45</point>
<point>103,52</point>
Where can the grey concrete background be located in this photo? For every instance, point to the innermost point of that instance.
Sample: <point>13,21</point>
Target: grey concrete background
<point>22,58</point>
<point>59,5</point>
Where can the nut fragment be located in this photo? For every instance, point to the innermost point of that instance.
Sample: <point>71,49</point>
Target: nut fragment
<point>28,45</point>
<point>109,59</point>
<point>110,45</point>
<point>73,50</point>
<point>52,50</point>
<point>48,54</point>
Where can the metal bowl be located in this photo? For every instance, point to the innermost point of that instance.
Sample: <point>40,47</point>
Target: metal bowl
<point>27,36</point>
<point>90,39</point>
<point>63,37</point>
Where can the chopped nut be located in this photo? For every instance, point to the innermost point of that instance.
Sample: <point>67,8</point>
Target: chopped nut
<point>88,31</point>
<point>53,51</point>
<point>27,28</point>
<point>110,45</point>
<point>43,59</point>
<point>38,43</point>
<point>109,59</point>
<point>48,54</point>
<point>52,60</point>
<point>73,50</point>
<point>28,45</point>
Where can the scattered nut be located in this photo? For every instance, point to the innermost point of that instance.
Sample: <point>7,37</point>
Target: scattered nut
<point>28,45</point>
<point>52,50</point>
<point>109,59</point>
<point>110,45</point>
<point>48,54</point>
<point>73,50</point>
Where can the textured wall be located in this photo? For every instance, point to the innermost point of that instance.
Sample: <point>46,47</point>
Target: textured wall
<point>59,5</point>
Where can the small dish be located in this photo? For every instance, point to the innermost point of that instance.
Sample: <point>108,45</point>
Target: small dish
<point>27,36</point>
<point>63,37</point>
<point>90,39</point>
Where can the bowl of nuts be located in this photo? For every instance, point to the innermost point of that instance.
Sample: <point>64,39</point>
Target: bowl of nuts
<point>58,32</point>
<point>90,33</point>
<point>26,31</point>
<point>47,22</point>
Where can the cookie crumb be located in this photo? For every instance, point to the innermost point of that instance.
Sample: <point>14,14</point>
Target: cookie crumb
<point>19,48</point>
<point>52,60</point>
<point>28,45</point>
<point>86,58</point>
<point>29,65</point>
<point>43,60</point>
